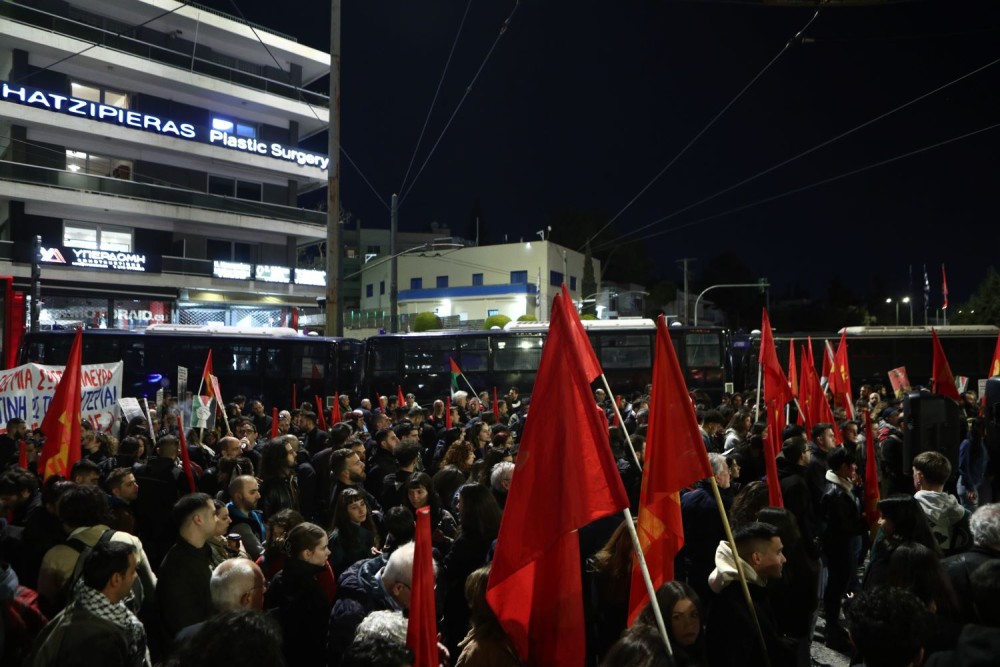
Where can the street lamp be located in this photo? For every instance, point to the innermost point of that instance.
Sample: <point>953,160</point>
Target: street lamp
<point>905,300</point>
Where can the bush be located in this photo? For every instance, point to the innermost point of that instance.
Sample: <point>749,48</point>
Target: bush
<point>496,321</point>
<point>588,316</point>
<point>426,322</point>
<point>527,318</point>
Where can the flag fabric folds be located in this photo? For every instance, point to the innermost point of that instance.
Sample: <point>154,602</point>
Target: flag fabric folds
<point>872,514</point>
<point>775,381</point>
<point>944,289</point>
<point>421,629</point>
<point>840,378</point>
<point>274,422</point>
<point>320,409</point>
<point>995,364</point>
<point>455,372</point>
<point>793,373</point>
<point>535,585</point>
<point>335,416</point>
<point>942,380</point>
<point>61,424</point>
<point>496,404</point>
<point>675,458</point>
<point>400,398</point>
<point>775,425</point>
<point>208,372</point>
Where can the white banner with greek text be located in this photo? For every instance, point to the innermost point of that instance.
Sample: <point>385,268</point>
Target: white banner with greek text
<point>25,392</point>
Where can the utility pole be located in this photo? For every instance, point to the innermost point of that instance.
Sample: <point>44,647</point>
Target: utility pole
<point>334,265</point>
<point>393,267</point>
<point>36,283</point>
<point>686,318</point>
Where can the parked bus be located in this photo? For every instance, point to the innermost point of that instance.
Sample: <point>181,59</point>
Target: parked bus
<point>261,363</point>
<point>419,363</point>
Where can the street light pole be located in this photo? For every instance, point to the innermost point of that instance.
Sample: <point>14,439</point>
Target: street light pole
<point>393,267</point>
<point>761,284</point>
<point>334,266</point>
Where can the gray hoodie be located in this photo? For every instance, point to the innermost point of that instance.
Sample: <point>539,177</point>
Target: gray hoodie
<point>943,511</point>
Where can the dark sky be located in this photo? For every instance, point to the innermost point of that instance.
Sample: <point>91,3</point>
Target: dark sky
<point>583,102</point>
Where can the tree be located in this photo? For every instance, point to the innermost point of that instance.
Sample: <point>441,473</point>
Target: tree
<point>496,321</point>
<point>660,294</point>
<point>426,322</point>
<point>589,284</point>
<point>527,318</point>
<point>983,307</point>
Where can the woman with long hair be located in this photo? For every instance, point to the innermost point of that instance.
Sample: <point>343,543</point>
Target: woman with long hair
<point>903,521</point>
<point>354,535</point>
<point>737,431</point>
<point>420,493</point>
<point>279,524</point>
<point>607,582</point>
<point>460,455</point>
<point>487,644</point>
<point>296,596</point>
<point>479,516</point>
<point>682,617</point>
<point>279,488</point>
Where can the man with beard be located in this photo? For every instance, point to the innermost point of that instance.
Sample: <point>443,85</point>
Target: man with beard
<point>248,522</point>
<point>347,471</point>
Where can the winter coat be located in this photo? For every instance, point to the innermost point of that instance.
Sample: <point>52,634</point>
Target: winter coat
<point>360,592</point>
<point>943,511</point>
<point>298,601</point>
<point>978,646</point>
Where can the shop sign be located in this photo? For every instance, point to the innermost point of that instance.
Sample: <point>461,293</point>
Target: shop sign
<point>273,274</point>
<point>86,258</point>
<point>310,277</point>
<point>232,270</point>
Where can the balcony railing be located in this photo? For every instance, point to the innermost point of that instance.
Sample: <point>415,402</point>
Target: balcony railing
<point>166,56</point>
<point>58,178</point>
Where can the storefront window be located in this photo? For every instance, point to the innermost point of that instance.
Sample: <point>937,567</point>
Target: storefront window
<point>129,314</point>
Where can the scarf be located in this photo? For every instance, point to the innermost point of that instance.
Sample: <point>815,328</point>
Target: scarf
<point>94,602</point>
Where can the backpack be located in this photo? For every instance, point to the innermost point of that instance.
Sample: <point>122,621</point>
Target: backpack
<point>22,620</point>
<point>134,599</point>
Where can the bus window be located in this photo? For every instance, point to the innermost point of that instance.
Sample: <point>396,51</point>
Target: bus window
<point>313,361</point>
<point>274,357</point>
<point>428,356</point>
<point>135,355</point>
<point>518,353</point>
<point>626,351</point>
<point>386,357</point>
<point>702,350</point>
<point>243,358</point>
<point>475,354</point>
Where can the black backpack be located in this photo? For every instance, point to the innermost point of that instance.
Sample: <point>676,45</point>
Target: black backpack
<point>134,599</point>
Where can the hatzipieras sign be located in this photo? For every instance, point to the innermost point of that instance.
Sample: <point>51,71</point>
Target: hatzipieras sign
<point>107,113</point>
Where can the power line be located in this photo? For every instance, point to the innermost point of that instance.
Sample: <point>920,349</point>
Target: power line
<point>436,93</point>
<point>824,181</point>
<point>632,232</point>
<point>797,37</point>
<point>468,89</point>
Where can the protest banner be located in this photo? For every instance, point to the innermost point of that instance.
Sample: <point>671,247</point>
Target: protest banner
<point>25,392</point>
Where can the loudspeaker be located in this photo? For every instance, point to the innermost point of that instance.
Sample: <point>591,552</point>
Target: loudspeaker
<point>992,414</point>
<point>931,423</point>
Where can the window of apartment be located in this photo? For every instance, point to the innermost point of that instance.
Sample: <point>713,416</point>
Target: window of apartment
<point>477,280</point>
<point>96,237</point>
<point>232,187</point>
<point>555,278</point>
<point>240,128</point>
<point>381,287</point>
<point>99,94</point>
<point>572,283</point>
<point>442,281</point>
<point>230,251</point>
<point>416,283</point>
<point>518,277</point>
<point>374,249</point>
<point>369,290</point>
<point>98,165</point>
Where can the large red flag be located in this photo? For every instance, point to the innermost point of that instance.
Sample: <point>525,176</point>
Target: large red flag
<point>274,422</point>
<point>840,377</point>
<point>942,381</point>
<point>775,381</point>
<point>496,404</point>
<point>675,458</point>
<point>824,376</point>
<point>995,364</point>
<point>812,398</point>
<point>944,289</point>
<point>185,455</point>
<point>793,374</point>
<point>335,416</point>
<point>421,630</point>
<point>61,424</point>
<point>805,398</point>
<point>208,372</point>
<point>872,514</point>
<point>320,411</point>
<point>400,398</point>
<point>535,586</point>
<point>775,425</point>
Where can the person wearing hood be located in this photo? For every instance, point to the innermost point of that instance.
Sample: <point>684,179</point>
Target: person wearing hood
<point>733,637</point>
<point>930,472</point>
<point>841,511</point>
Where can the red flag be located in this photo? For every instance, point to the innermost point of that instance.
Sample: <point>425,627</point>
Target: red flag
<point>872,514</point>
<point>775,382</point>
<point>944,288</point>
<point>535,586</point>
<point>185,455</point>
<point>400,399</point>
<point>295,396</point>
<point>320,412</point>
<point>22,454</point>
<point>840,377</point>
<point>805,396</point>
<point>793,373</point>
<point>378,403</point>
<point>995,364</point>
<point>421,630</point>
<point>61,424</point>
<point>208,372</point>
<point>274,422</point>
<point>824,376</point>
<point>335,416</point>
<point>675,458</point>
<point>815,407</point>
<point>496,404</point>
<point>447,411</point>
<point>942,381</point>
<point>775,425</point>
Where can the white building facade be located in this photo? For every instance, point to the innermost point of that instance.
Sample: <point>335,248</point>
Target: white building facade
<point>160,165</point>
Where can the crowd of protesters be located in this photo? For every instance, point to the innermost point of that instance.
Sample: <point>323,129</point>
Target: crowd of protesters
<point>298,549</point>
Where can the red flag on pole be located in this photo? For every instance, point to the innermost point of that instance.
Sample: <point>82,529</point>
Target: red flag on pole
<point>872,515</point>
<point>944,288</point>
<point>61,424</point>
<point>335,416</point>
<point>775,425</point>
<point>400,398</point>
<point>824,376</point>
<point>815,406</point>
<point>535,585</point>
<point>295,396</point>
<point>775,381</point>
<point>22,455</point>
<point>320,412</point>
<point>421,630</point>
<point>793,373</point>
<point>208,372</point>
<point>840,378</point>
<point>274,422</point>
<point>942,381</point>
<point>447,411</point>
<point>675,458</point>
<point>995,364</point>
<point>496,404</point>
<point>805,396</point>
<point>185,455</point>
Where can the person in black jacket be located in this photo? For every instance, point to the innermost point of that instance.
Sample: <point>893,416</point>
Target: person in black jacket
<point>985,527</point>
<point>183,585</point>
<point>702,530</point>
<point>161,483</point>
<point>279,485</point>
<point>796,493</point>
<point>382,461</point>
<point>297,599</point>
<point>313,439</point>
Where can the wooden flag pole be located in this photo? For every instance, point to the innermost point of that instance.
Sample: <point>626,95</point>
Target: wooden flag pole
<point>657,612</point>
<point>739,567</point>
<point>607,387</point>
<point>471,388</point>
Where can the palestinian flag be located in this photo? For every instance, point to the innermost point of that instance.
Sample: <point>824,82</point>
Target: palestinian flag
<point>455,372</point>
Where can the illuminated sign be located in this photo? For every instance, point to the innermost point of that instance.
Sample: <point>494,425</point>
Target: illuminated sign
<point>273,274</point>
<point>232,270</point>
<point>107,113</point>
<point>310,277</point>
<point>97,259</point>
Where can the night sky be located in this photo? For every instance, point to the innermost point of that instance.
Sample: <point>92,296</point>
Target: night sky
<point>583,102</point>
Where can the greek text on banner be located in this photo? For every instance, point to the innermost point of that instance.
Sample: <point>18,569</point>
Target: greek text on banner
<point>25,392</point>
